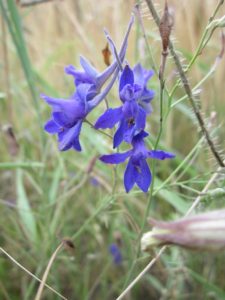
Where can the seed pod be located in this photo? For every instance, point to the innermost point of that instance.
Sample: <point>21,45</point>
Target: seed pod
<point>165,27</point>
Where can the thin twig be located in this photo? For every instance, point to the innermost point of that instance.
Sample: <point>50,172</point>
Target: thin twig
<point>187,89</point>
<point>31,274</point>
<point>44,278</point>
<point>146,269</point>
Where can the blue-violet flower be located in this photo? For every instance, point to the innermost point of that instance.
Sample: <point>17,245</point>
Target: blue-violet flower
<point>116,254</point>
<point>137,170</point>
<point>136,98</point>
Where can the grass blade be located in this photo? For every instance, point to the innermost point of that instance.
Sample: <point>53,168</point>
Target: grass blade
<point>25,211</point>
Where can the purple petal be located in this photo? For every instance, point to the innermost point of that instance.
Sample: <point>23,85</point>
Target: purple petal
<point>146,106</point>
<point>83,90</point>
<point>159,154</point>
<point>138,90</point>
<point>79,76</point>
<point>127,77</point>
<point>141,119</point>
<point>129,134</point>
<point>141,75</point>
<point>144,176</point>
<point>138,139</point>
<point>56,102</point>
<point>127,93</point>
<point>109,118</point>
<point>115,158</point>
<point>76,144</point>
<point>129,176</point>
<point>118,137</point>
<point>51,127</point>
<point>70,137</point>
<point>61,119</point>
<point>73,108</point>
<point>88,68</point>
<point>130,109</point>
<point>71,70</point>
<point>147,95</point>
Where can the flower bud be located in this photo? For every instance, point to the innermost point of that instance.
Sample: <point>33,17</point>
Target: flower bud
<point>201,232</point>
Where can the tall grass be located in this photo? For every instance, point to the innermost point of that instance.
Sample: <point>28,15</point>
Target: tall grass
<point>47,196</point>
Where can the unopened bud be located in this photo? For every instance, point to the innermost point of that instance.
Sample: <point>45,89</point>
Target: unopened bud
<point>201,232</point>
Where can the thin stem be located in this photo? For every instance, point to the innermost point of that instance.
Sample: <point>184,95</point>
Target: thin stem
<point>99,130</point>
<point>220,2</point>
<point>161,93</point>
<point>146,269</point>
<point>44,278</point>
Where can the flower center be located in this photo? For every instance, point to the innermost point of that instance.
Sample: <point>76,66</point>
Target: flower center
<point>131,122</point>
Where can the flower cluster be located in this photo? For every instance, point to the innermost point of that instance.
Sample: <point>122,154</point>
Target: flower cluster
<point>130,117</point>
<point>68,114</point>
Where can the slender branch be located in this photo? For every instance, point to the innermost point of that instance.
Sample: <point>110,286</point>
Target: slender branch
<point>187,89</point>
